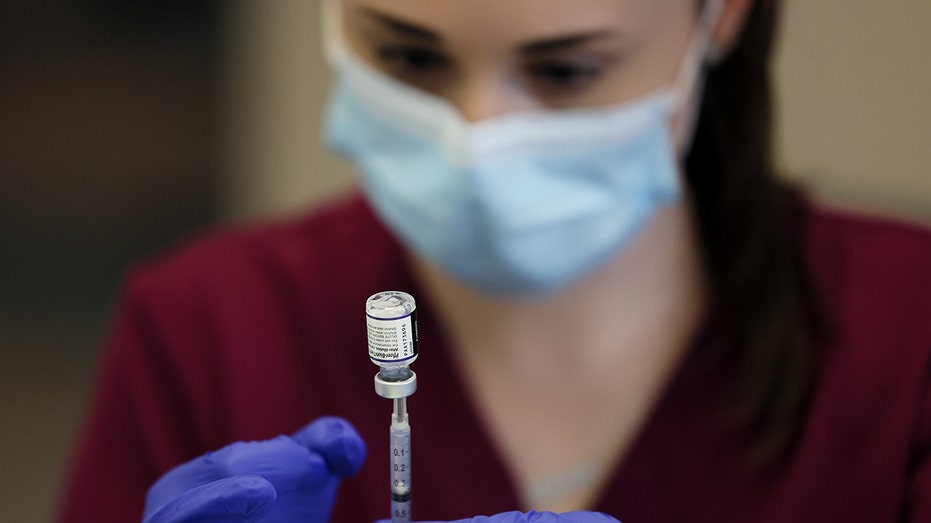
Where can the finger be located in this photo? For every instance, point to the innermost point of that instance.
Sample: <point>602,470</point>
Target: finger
<point>239,499</point>
<point>337,441</point>
<point>281,461</point>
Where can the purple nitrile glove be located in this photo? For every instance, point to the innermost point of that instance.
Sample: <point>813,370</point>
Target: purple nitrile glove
<point>283,479</point>
<point>533,517</point>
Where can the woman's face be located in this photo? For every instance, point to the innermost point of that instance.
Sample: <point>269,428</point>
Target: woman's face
<point>489,57</point>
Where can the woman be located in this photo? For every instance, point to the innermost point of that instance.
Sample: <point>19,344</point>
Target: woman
<point>620,308</point>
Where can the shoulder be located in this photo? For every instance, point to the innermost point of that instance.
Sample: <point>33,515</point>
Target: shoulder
<point>315,233</point>
<point>848,229</point>
<point>319,248</point>
<point>873,278</point>
<point>868,261</point>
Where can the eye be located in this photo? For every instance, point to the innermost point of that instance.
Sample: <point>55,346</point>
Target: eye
<point>407,61</point>
<point>556,75</point>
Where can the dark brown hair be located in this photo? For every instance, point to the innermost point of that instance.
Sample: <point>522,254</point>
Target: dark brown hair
<point>764,312</point>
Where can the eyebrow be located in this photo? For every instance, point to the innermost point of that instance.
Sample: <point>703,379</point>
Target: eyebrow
<point>400,26</point>
<point>564,43</point>
<point>544,46</point>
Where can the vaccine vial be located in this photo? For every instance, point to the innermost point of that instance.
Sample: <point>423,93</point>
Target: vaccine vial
<point>391,321</point>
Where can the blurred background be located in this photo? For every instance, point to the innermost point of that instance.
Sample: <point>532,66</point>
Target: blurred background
<point>128,127</point>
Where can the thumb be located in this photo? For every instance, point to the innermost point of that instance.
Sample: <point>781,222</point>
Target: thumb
<point>239,499</point>
<point>337,441</point>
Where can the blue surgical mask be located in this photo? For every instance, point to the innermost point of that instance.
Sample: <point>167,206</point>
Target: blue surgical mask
<point>521,204</point>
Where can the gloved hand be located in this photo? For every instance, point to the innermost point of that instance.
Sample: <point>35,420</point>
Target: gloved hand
<point>281,479</point>
<point>534,517</point>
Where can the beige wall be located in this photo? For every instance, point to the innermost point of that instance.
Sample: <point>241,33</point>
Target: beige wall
<point>854,80</point>
<point>277,84</point>
<point>853,83</point>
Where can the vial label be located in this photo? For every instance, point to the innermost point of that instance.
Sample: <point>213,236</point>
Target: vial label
<point>392,340</point>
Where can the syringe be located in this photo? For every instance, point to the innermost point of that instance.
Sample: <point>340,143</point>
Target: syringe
<point>392,343</point>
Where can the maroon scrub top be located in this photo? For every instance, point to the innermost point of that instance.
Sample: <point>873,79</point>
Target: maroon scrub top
<point>250,333</point>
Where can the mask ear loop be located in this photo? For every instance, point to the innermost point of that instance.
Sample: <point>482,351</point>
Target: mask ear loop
<point>700,52</point>
<point>687,90</point>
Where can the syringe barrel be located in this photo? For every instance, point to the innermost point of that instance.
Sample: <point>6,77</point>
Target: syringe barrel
<point>400,470</point>
<point>391,321</point>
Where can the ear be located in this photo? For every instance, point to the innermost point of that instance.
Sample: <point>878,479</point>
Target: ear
<point>730,25</point>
